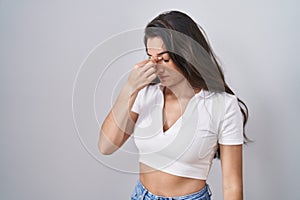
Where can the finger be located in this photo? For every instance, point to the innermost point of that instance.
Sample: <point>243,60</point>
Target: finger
<point>151,77</point>
<point>140,64</point>
<point>150,71</point>
<point>148,65</point>
<point>152,59</point>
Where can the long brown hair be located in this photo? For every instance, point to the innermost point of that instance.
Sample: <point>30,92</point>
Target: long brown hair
<point>188,47</point>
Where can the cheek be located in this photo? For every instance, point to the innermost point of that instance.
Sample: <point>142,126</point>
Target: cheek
<point>175,70</point>
<point>171,68</point>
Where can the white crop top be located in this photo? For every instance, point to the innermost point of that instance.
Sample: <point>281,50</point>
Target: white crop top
<point>187,147</point>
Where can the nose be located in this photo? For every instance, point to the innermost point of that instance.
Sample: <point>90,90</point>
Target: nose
<point>160,68</point>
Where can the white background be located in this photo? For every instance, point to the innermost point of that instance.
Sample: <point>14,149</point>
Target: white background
<point>44,43</point>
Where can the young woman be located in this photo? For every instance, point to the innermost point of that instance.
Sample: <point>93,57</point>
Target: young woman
<point>181,123</point>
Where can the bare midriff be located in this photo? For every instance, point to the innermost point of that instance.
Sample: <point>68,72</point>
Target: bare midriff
<point>165,184</point>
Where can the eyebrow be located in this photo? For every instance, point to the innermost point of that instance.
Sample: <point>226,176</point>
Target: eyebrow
<point>159,54</point>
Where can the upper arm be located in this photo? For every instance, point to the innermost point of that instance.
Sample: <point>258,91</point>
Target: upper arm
<point>231,125</point>
<point>232,173</point>
<point>230,139</point>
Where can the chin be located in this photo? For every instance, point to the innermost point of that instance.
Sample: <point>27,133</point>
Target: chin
<point>163,83</point>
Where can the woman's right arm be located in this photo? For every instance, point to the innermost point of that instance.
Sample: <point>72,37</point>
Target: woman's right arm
<point>119,123</point>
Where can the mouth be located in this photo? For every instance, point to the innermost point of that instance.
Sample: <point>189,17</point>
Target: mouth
<point>162,77</point>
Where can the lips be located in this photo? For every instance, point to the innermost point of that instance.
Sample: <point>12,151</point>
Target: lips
<point>162,77</point>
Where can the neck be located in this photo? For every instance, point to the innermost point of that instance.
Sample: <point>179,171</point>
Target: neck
<point>182,90</point>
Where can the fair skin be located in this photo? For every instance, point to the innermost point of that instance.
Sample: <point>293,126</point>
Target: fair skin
<point>116,129</point>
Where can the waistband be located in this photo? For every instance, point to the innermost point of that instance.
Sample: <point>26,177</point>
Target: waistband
<point>142,192</point>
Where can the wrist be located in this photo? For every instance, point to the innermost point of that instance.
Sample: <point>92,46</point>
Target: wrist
<point>129,89</point>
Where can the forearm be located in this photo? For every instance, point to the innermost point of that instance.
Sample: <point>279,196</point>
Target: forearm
<point>118,123</point>
<point>120,112</point>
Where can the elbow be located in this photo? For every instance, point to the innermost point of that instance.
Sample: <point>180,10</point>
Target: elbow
<point>106,147</point>
<point>104,150</point>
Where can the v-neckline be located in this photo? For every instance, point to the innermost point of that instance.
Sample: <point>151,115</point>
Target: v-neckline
<point>172,126</point>
<point>179,118</point>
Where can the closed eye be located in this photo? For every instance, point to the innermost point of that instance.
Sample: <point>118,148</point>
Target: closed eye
<point>160,54</point>
<point>165,60</point>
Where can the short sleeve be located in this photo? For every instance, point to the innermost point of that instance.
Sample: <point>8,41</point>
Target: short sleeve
<point>136,107</point>
<point>231,126</point>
